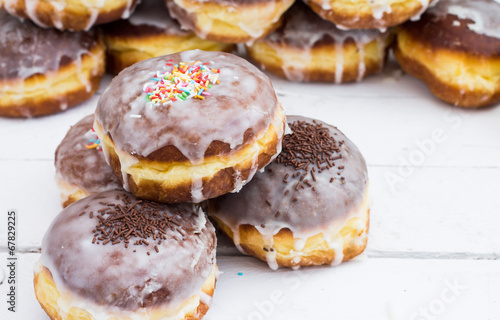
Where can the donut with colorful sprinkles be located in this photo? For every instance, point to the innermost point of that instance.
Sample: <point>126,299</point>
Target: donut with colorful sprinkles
<point>189,126</point>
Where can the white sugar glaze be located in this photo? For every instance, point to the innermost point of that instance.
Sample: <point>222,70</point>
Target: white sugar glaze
<point>184,262</point>
<point>244,100</point>
<point>381,7</point>
<point>27,50</point>
<point>191,126</point>
<point>304,29</point>
<point>155,13</point>
<point>485,14</point>
<point>24,47</point>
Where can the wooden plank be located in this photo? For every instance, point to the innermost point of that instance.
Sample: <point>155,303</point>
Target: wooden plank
<point>31,190</point>
<point>435,210</point>
<point>361,289</point>
<point>418,130</point>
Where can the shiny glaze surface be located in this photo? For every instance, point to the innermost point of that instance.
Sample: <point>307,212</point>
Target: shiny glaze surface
<point>118,279</point>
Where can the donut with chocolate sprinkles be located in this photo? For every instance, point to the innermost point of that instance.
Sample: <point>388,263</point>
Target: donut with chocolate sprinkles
<point>112,255</point>
<point>308,207</point>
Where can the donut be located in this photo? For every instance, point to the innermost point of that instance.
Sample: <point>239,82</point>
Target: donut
<point>74,15</point>
<point>114,256</point>
<point>308,207</point>
<point>189,147</point>
<point>308,48</point>
<point>150,32</point>
<point>81,169</point>
<point>44,71</point>
<point>369,14</point>
<point>232,21</point>
<point>455,50</point>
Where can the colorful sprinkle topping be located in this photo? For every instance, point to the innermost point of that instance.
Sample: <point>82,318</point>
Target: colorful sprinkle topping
<point>186,80</point>
<point>94,142</point>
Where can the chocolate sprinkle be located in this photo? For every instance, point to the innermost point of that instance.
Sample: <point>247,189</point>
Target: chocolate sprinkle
<point>310,150</point>
<point>141,219</point>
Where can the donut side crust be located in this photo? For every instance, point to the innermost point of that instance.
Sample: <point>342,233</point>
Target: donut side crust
<point>75,16</point>
<point>456,77</point>
<point>44,94</point>
<point>452,33</point>
<point>126,50</point>
<point>275,57</point>
<point>225,24</point>
<point>171,182</point>
<point>47,295</point>
<point>359,15</point>
<point>70,192</point>
<point>316,250</point>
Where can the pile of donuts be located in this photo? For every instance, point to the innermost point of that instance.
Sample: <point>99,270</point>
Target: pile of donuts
<point>55,56</point>
<point>176,143</point>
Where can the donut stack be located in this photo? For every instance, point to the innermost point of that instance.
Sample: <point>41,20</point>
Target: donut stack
<point>174,136</point>
<point>168,133</point>
<point>453,47</point>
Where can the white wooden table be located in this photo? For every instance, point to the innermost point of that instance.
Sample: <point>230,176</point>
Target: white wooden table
<point>434,243</point>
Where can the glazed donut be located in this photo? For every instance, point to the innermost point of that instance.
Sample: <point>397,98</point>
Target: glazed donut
<point>232,21</point>
<point>455,50</point>
<point>150,32</point>
<point>308,48</point>
<point>75,15</point>
<point>114,256</point>
<point>309,207</point>
<point>81,169</point>
<point>191,147</point>
<point>43,71</point>
<point>369,14</point>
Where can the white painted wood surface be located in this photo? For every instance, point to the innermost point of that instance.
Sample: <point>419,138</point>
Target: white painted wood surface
<point>435,180</point>
<point>365,288</point>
